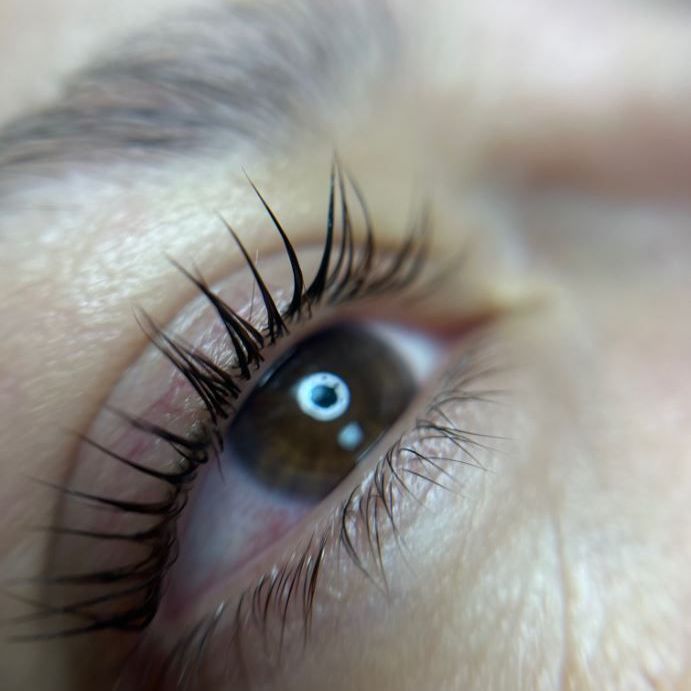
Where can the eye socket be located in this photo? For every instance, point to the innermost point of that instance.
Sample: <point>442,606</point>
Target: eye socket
<point>136,523</point>
<point>121,522</point>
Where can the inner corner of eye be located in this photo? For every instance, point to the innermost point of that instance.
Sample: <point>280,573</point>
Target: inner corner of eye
<point>308,422</point>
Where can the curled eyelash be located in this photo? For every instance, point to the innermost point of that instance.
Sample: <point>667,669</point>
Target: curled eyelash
<point>126,597</point>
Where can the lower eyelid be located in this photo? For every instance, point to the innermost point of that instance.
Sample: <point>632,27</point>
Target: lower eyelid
<point>215,499</point>
<point>362,541</point>
<point>336,566</point>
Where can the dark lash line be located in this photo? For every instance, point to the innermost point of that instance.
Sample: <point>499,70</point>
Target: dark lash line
<point>350,277</point>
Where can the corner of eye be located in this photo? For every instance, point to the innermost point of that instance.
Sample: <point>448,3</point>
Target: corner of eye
<point>513,297</point>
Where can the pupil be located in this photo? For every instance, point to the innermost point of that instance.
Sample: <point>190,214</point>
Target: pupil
<point>324,396</point>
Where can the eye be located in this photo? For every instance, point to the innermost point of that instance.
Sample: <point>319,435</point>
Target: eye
<point>315,414</point>
<point>321,407</point>
<point>259,436</point>
<point>238,381</point>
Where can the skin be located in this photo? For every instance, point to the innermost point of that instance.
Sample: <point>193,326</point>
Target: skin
<point>571,177</point>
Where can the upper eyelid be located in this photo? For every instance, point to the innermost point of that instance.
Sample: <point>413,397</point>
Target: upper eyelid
<point>345,273</point>
<point>241,73</point>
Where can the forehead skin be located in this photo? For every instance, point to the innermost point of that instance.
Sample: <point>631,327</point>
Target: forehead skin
<point>559,133</point>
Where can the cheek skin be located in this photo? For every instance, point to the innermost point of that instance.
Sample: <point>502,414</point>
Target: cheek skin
<point>624,521</point>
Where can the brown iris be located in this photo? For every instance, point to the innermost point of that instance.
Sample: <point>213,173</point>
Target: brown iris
<point>320,408</point>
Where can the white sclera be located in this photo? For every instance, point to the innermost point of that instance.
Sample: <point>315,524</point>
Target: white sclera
<point>420,352</point>
<point>308,388</point>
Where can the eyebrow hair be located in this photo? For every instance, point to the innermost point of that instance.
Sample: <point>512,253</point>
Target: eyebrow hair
<point>246,73</point>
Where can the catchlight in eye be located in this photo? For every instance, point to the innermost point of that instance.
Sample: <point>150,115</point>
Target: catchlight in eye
<point>323,396</point>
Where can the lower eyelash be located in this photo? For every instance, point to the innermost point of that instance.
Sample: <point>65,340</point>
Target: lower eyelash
<point>352,275</point>
<point>286,596</point>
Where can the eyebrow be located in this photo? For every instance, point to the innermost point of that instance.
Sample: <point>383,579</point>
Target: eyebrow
<point>246,74</point>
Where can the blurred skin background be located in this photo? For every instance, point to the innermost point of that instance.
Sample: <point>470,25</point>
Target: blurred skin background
<point>556,138</point>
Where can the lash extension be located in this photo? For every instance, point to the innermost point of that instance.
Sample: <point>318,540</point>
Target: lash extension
<point>126,597</point>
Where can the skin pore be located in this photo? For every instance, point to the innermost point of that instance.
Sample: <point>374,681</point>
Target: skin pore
<point>553,139</point>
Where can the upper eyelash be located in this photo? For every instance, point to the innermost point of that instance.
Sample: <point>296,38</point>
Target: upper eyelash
<point>352,275</point>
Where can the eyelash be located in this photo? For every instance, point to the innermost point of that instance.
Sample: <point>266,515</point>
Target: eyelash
<point>353,275</point>
<point>348,271</point>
